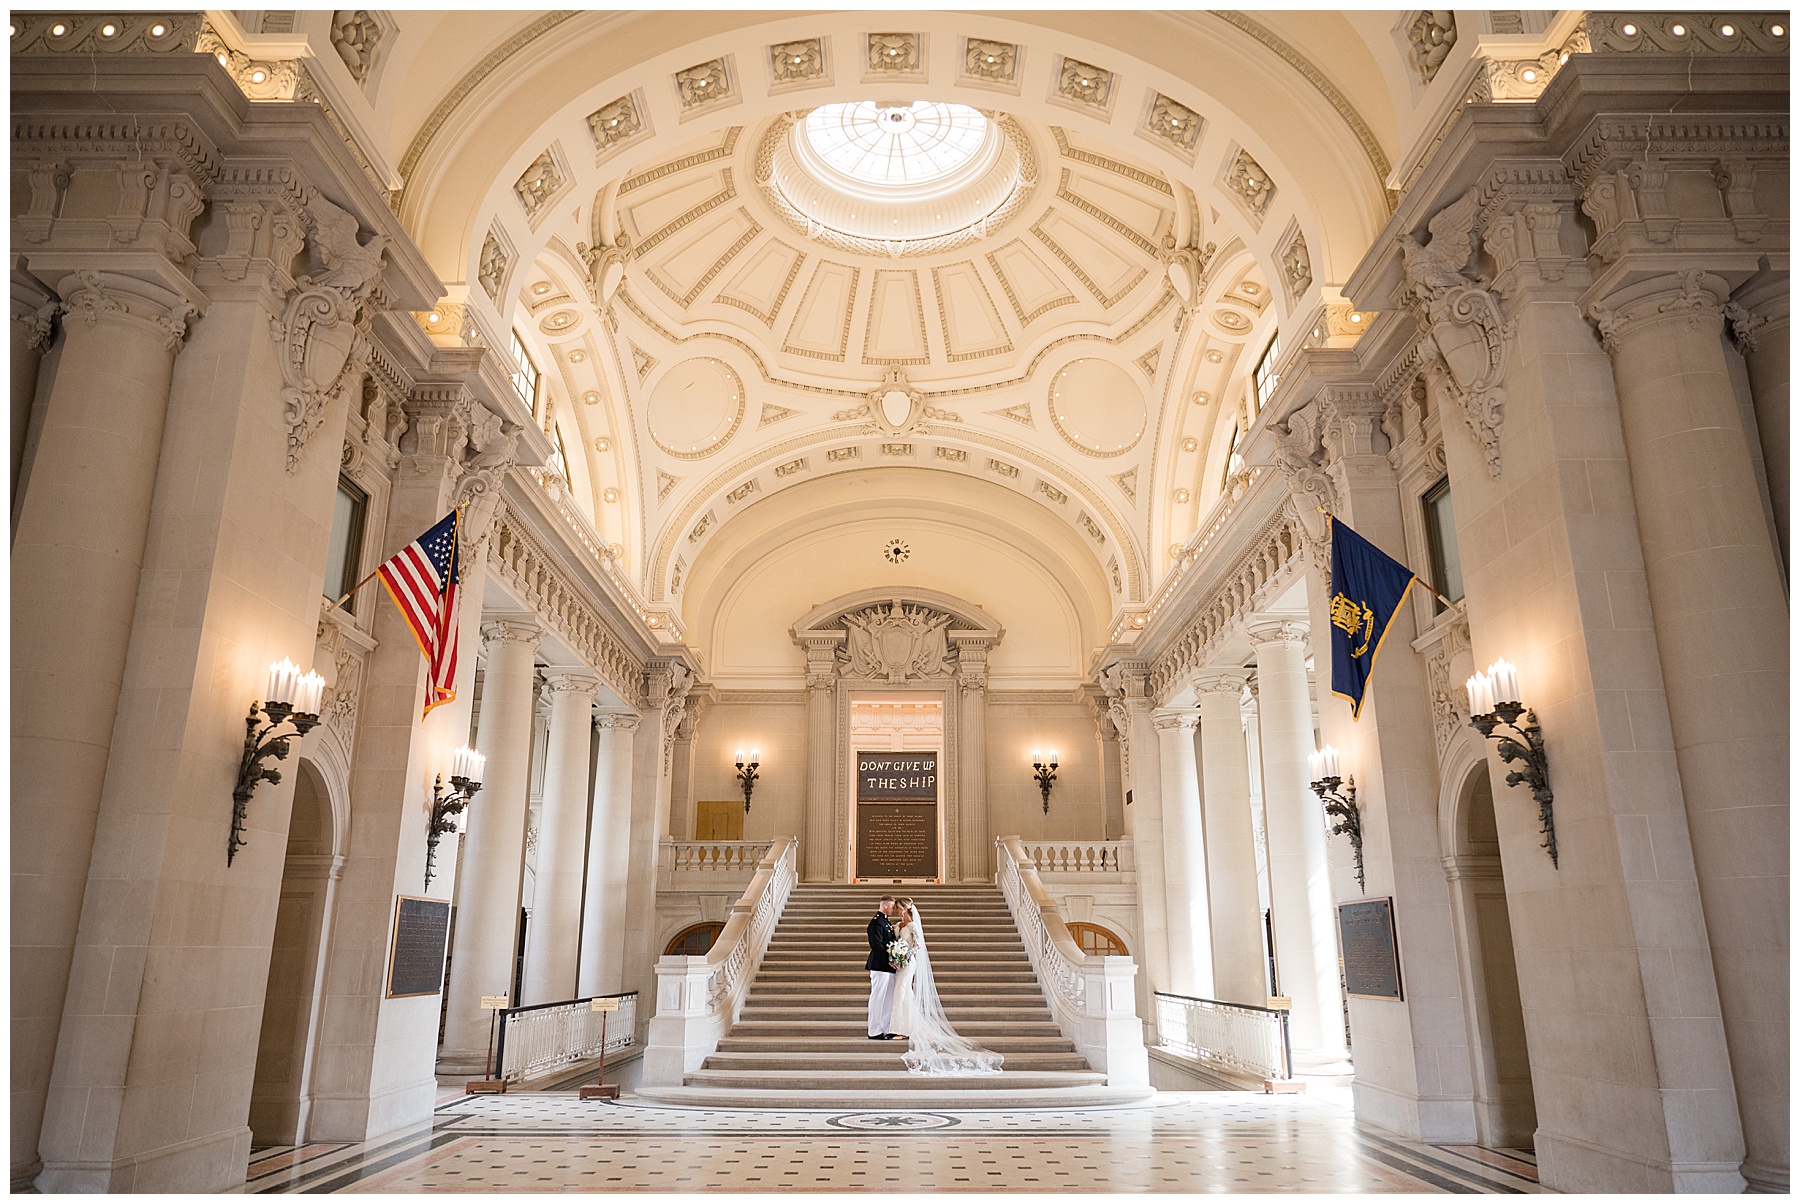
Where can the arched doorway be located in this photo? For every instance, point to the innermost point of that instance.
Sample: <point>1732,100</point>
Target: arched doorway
<point>279,1098</point>
<point>1505,1111</point>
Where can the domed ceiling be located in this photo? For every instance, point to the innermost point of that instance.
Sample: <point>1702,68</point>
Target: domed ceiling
<point>900,282</point>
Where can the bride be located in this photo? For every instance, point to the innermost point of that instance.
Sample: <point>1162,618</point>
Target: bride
<point>935,1047</point>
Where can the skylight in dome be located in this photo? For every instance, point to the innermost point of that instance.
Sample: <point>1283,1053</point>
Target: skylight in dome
<point>896,145</point>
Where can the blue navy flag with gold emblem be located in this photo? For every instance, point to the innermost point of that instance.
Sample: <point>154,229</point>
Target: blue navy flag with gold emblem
<point>1367,587</point>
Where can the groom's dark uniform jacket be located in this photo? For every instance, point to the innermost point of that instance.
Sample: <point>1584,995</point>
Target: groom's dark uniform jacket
<point>881,934</point>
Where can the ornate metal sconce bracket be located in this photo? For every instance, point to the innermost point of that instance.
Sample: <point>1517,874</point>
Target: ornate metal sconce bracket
<point>262,741</point>
<point>746,776</point>
<point>1045,773</point>
<point>1527,748</point>
<point>445,807</point>
<point>1346,820</point>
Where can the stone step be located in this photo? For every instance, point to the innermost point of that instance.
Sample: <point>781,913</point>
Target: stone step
<point>910,1099</point>
<point>860,1043</point>
<point>850,988</point>
<point>892,1080</point>
<point>979,1030</point>
<point>877,1058</point>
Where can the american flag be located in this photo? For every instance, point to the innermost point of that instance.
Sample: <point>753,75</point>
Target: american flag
<point>421,579</point>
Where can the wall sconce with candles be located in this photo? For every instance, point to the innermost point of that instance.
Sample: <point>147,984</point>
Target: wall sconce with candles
<point>746,773</point>
<point>467,767</point>
<point>1338,793</point>
<point>293,698</point>
<point>1493,701</point>
<point>1045,772</point>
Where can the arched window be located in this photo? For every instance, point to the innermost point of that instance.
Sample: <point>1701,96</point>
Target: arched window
<point>695,940</point>
<point>1234,462</point>
<point>559,454</point>
<point>1102,942</point>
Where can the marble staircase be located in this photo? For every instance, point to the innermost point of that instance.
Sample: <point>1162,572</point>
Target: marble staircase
<point>801,1039</point>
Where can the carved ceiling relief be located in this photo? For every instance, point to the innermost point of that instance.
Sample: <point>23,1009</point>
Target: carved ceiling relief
<point>704,84</point>
<point>1175,124</point>
<point>1084,84</point>
<point>496,258</point>
<point>1247,181</point>
<point>541,181</point>
<point>894,54</point>
<point>1431,37</point>
<point>356,35</point>
<point>1296,267</point>
<point>991,62</point>
<point>797,62</point>
<point>614,124</point>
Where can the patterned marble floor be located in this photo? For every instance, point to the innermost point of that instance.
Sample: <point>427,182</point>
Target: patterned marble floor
<point>1215,1141</point>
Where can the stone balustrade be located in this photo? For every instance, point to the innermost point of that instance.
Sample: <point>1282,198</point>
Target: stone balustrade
<point>1092,997</point>
<point>1110,857</point>
<point>708,864</point>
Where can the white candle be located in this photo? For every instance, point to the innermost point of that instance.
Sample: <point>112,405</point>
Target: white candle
<point>1053,758</point>
<point>1505,676</point>
<point>1327,763</point>
<point>1481,695</point>
<point>310,694</point>
<point>468,764</point>
<point>756,756</point>
<point>1037,756</point>
<point>282,676</point>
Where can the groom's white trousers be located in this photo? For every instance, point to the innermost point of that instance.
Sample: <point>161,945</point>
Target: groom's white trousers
<point>881,1001</point>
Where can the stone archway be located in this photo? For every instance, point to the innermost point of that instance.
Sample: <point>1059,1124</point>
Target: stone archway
<point>1500,1060</point>
<point>896,641</point>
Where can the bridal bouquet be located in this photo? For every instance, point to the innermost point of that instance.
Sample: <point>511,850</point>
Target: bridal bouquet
<point>899,953</point>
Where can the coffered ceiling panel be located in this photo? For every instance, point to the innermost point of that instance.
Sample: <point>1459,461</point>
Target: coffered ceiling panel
<point>1030,285</point>
<point>972,326</point>
<point>896,326</point>
<point>1095,256</point>
<point>764,280</point>
<point>821,325</point>
<point>690,261</point>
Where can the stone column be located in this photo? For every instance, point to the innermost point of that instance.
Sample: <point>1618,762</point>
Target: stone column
<point>78,550</point>
<point>1142,765</point>
<point>553,942</point>
<point>33,327</point>
<point>975,843</point>
<point>1299,871</point>
<point>1230,841</point>
<point>1759,320</point>
<point>1720,613</point>
<point>818,845</point>
<point>608,860</point>
<point>665,694</point>
<point>487,911</point>
<point>1184,857</point>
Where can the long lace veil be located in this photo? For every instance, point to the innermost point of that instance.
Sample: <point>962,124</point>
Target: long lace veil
<point>936,1048</point>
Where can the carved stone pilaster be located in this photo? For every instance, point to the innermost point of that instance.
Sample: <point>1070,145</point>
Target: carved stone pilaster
<point>1448,706</point>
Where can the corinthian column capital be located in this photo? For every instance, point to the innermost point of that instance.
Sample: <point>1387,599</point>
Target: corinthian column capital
<point>510,631</point>
<point>1697,296</point>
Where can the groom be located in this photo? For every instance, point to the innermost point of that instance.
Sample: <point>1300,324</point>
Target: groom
<point>881,972</point>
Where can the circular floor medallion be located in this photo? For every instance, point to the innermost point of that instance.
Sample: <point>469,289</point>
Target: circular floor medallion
<point>894,1122</point>
<point>695,408</point>
<point>1097,407</point>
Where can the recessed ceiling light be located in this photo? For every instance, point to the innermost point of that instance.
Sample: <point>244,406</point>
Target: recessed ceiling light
<point>602,444</point>
<point>158,30</point>
<point>593,399</point>
<point>109,29</point>
<point>434,317</point>
<point>1190,445</point>
<point>1778,30</point>
<point>576,356</point>
<point>258,76</point>
<point>1181,496</point>
<point>1678,30</point>
<point>1629,30</point>
<point>1530,75</point>
<point>1729,31</point>
<point>1356,317</point>
<point>609,495</point>
<point>59,29</point>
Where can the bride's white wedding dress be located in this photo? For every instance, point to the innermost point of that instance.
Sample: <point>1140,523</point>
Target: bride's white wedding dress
<point>935,1048</point>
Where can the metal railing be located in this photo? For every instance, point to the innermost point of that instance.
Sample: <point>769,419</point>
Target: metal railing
<point>1091,996</point>
<point>1080,856</point>
<point>1239,1037</point>
<point>543,1037</point>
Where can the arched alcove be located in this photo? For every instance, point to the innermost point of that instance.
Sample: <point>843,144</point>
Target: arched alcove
<point>280,1099</point>
<point>1505,1108</point>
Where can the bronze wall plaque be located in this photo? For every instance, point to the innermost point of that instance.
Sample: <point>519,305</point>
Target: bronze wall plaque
<point>416,957</point>
<point>1371,950</point>
<point>896,840</point>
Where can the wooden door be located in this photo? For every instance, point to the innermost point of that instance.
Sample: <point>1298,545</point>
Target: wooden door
<point>719,820</point>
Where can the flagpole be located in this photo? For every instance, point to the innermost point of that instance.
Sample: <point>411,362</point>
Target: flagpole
<point>356,587</point>
<point>1330,517</point>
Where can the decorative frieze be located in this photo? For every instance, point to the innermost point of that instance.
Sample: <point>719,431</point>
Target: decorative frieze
<point>1259,575</point>
<point>1692,33</point>
<point>519,560</point>
<point>110,33</point>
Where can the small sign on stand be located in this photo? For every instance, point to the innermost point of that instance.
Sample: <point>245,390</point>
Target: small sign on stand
<point>495,1085</point>
<point>602,1089</point>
